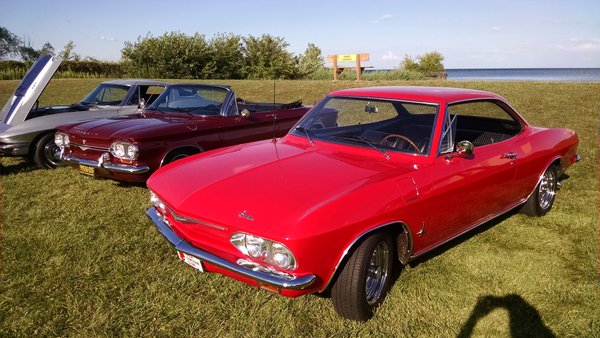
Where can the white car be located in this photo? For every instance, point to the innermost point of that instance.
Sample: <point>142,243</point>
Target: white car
<point>28,130</point>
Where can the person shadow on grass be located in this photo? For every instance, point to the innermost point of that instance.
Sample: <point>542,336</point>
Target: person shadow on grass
<point>525,321</point>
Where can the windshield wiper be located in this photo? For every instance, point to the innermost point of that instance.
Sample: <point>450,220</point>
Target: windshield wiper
<point>305,131</point>
<point>183,110</point>
<point>367,142</point>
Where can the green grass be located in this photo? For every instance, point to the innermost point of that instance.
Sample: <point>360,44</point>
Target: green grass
<point>79,257</point>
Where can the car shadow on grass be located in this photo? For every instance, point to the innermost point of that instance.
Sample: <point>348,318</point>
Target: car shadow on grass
<point>524,319</point>
<point>17,168</point>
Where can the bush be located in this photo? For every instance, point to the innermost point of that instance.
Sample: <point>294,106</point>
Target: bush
<point>15,70</point>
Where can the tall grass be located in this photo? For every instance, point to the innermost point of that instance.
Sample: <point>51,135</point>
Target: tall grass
<point>79,257</point>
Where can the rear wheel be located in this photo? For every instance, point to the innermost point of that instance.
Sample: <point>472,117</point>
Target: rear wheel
<point>47,153</point>
<point>542,199</point>
<point>365,279</point>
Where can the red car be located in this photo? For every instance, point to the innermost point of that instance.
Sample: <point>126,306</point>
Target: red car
<point>369,177</point>
<point>184,120</point>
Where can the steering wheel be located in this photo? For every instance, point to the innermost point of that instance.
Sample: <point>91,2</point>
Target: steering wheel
<point>394,143</point>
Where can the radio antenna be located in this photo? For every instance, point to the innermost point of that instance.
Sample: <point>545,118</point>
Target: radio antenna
<point>274,113</point>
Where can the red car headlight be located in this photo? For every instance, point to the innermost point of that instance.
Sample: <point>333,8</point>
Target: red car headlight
<point>264,250</point>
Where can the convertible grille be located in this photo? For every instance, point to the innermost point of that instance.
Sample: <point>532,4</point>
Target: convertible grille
<point>86,147</point>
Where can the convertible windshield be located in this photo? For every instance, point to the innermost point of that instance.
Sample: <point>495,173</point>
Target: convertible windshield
<point>386,125</point>
<point>191,99</point>
<point>106,95</point>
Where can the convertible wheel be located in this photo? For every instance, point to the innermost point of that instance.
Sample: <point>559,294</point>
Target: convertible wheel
<point>47,153</point>
<point>540,202</point>
<point>365,279</point>
<point>176,155</point>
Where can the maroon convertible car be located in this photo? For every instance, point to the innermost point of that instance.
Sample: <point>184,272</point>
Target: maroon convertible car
<point>184,120</point>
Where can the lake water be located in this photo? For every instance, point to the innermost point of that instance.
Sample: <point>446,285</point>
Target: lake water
<point>526,74</point>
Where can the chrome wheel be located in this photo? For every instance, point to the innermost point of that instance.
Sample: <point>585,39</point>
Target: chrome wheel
<point>47,153</point>
<point>547,189</point>
<point>365,278</point>
<point>377,272</point>
<point>52,154</point>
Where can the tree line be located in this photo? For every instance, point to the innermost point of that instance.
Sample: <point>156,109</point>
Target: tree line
<point>176,55</point>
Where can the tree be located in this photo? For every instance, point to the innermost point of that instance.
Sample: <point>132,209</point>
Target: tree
<point>67,52</point>
<point>9,43</point>
<point>227,55</point>
<point>173,55</point>
<point>409,64</point>
<point>311,61</point>
<point>429,64</point>
<point>47,49</point>
<point>266,57</point>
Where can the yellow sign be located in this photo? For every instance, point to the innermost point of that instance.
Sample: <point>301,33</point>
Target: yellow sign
<point>346,57</point>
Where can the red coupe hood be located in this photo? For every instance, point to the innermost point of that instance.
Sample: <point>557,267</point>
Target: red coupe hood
<point>129,127</point>
<point>273,183</point>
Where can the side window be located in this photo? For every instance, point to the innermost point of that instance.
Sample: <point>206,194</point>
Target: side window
<point>480,122</point>
<point>148,93</point>
<point>112,95</point>
<point>232,109</point>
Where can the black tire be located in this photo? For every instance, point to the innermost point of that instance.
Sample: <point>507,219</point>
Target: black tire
<point>542,198</point>
<point>365,279</point>
<point>176,155</point>
<point>46,153</point>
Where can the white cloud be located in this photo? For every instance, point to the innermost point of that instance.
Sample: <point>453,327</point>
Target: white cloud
<point>108,38</point>
<point>583,45</point>
<point>495,29</point>
<point>390,56</point>
<point>383,17</point>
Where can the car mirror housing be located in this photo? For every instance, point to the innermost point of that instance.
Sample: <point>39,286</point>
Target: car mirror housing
<point>465,149</point>
<point>245,113</point>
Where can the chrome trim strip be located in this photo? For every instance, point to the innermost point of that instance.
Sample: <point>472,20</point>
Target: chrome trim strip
<point>85,147</point>
<point>117,168</point>
<point>298,283</point>
<point>469,228</point>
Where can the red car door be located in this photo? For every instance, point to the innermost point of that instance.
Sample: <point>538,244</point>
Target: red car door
<point>235,129</point>
<point>466,191</point>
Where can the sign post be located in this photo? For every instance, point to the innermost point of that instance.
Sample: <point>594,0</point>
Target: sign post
<point>341,58</point>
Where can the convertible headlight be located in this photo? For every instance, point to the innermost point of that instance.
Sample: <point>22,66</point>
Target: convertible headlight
<point>61,139</point>
<point>264,250</point>
<point>124,150</point>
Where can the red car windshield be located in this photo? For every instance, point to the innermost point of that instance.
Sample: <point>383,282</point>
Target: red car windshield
<point>377,123</point>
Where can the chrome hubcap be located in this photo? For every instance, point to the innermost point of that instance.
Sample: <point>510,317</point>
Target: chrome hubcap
<point>547,190</point>
<point>52,153</point>
<point>377,272</point>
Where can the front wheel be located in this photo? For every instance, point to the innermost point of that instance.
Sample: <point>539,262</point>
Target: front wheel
<point>365,279</point>
<point>542,199</point>
<point>47,153</point>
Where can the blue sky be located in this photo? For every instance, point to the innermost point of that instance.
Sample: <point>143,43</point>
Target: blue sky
<point>470,34</point>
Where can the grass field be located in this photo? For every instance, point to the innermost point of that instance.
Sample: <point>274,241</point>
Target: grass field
<point>79,257</point>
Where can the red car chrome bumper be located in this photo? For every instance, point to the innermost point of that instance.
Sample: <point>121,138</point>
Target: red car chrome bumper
<point>262,278</point>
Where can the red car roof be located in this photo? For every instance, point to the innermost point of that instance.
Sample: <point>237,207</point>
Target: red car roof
<point>425,94</point>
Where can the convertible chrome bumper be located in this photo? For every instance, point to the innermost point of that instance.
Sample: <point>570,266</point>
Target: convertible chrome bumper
<point>14,149</point>
<point>116,168</point>
<point>264,278</point>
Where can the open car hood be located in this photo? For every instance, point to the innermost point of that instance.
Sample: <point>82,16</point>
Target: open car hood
<point>29,90</point>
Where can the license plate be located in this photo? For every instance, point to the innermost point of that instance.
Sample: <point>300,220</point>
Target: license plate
<point>86,170</point>
<point>191,260</point>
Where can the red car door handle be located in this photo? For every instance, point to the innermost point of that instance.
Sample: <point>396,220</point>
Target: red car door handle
<point>511,156</point>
